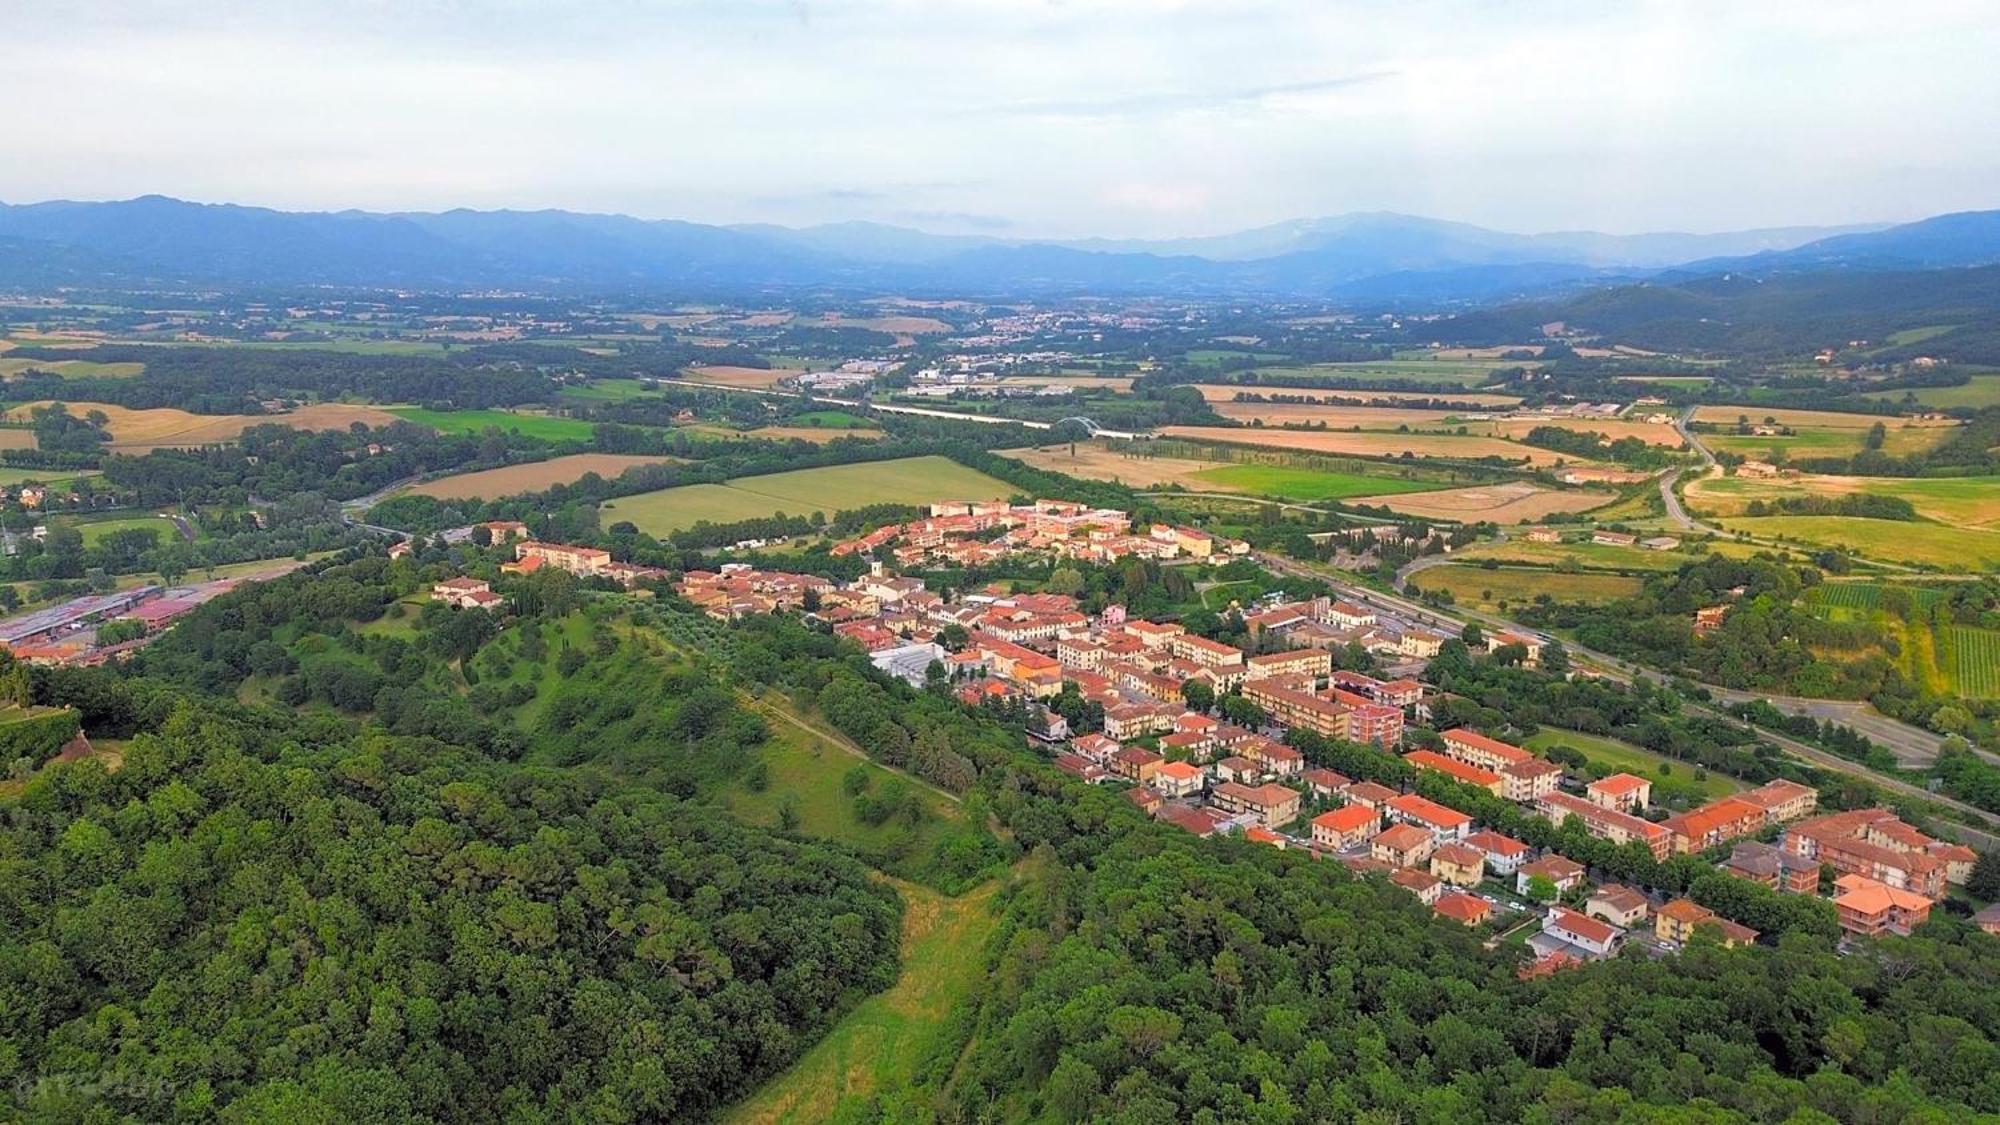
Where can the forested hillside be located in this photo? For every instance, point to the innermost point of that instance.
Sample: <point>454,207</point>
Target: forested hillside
<point>481,874</point>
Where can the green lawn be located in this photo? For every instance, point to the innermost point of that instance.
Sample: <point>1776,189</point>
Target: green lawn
<point>1897,541</point>
<point>607,390</point>
<point>908,480</point>
<point>1464,373</point>
<point>473,421</point>
<point>1309,485</point>
<point>1486,589</point>
<point>808,770</point>
<point>94,529</point>
<point>1614,756</point>
<point>70,368</point>
<point>1589,555</point>
<point>1983,390</point>
<point>877,1046</point>
<point>829,419</point>
<point>43,476</point>
<point>1828,442</point>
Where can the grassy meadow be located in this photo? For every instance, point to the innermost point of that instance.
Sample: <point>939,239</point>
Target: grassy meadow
<point>547,426</point>
<point>908,480</point>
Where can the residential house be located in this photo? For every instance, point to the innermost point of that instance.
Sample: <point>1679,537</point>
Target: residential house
<point>1458,771</point>
<point>1869,907</point>
<point>1323,783</point>
<point>1345,827</point>
<point>1136,764</point>
<point>1275,805</point>
<point>1311,663</point>
<point>1565,873</point>
<point>1597,938</point>
<point>1678,922</point>
<point>1465,909</point>
<point>1369,793</point>
<point>1607,824</point>
<point>1874,844</point>
<point>1772,866</point>
<point>1178,779</point>
<point>1402,845</point>
<point>1621,906</point>
<point>1446,824</point>
<point>1504,855</point>
<point>1621,792</point>
<point>1461,865</point>
<point>466,593</point>
<point>1427,887</point>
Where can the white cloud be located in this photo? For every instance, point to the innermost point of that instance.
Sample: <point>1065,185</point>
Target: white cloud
<point>1111,117</point>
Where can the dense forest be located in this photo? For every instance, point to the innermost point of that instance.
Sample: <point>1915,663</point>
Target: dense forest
<point>477,877</point>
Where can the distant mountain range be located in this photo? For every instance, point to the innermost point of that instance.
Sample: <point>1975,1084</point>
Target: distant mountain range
<point>1359,258</point>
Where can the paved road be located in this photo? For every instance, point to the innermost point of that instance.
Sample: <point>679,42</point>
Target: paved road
<point>1613,668</point>
<point>1670,480</point>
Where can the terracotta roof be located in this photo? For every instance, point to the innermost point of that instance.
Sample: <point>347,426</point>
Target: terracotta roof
<point>1491,745</point>
<point>1463,908</point>
<point>1494,843</point>
<point>1346,818</point>
<point>1618,784</point>
<point>1686,910</point>
<point>1582,925</point>
<point>1401,837</point>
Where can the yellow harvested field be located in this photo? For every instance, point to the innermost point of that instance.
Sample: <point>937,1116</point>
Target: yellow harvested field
<point>17,439</point>
<point>1335,417</point>
<point>820,434</point>
<point>1368,444</point>
<point>170,428</point>
<point>1224,392</point>
<point>1120,384</point>
<point>1512,502</point>
<point>723,375</point>
<point>490,484</point>
<point>1095,462</point>
<point>1813,419</point>
<point>1497,352</point>
<point>764,320</point>
<point>1614,429</point>
<point>901,325</point>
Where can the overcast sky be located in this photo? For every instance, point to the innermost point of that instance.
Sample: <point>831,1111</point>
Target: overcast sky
<point>1055,117</point>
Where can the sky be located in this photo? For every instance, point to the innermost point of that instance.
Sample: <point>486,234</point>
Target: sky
<point>1020,118</point>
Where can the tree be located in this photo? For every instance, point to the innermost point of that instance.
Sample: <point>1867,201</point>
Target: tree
<point>1198,695</point>
<point>1984,883</point>
<point>1065,580</point>
<point>1473,636</point>
<point>1542,889</point>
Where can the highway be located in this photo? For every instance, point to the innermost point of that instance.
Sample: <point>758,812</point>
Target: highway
<point>1613,668</point>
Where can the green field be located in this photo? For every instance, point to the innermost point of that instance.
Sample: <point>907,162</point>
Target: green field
<point>1983,390</point>
<point>908,480</point>
<point>1896,541</point>
<point>1971,657</point>
<point>607,390</point>
<point>43,476</point>
<point>1464,373</point>
<point>828,419</point>
<point>1309,485</point>
<point>1966,501</point>
<point>1600,556</point>
<point>1821,443</point>
<point>807,769</point>
<point>545,426</point>
<point>94,530</point>
<point>1614,756</point>
<point>1668,380</point>
<point>70,368</point>
<point>877,1047</point>
<point>1487,589</point>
